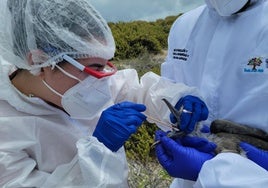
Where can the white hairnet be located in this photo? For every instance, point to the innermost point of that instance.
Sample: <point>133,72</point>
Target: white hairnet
<point>47,29</point>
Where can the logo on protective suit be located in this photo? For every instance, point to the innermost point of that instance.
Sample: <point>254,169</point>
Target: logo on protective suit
<point>257,64</point>
<point>180,54</point>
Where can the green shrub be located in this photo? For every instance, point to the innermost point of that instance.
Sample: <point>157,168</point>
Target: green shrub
<point>138,147</point>
<point>133,39</point>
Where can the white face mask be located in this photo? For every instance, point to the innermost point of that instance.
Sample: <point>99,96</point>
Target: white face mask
<point>227,7</point>
<point>87,98</point>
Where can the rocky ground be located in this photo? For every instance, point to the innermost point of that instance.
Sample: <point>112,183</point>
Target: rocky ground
<point>150,175</point>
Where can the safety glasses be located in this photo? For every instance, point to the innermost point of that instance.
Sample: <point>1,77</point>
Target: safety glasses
<point>109,69</point>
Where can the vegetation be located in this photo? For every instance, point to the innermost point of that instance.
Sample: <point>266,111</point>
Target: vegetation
<point>142,45</point>
<point>133,39</point>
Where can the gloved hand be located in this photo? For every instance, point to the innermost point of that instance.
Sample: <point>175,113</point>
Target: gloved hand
<point>258,156</point>
<point>201,144</point>
<point>188,120</point>
<point>183,157</point>
<point>118,122</point>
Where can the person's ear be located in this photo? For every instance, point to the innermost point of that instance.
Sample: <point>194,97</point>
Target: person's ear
<point>36,56</point>
<point>29,58</point>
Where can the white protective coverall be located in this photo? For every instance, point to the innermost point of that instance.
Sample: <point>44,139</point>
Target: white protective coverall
<point>214,54</point>
<point>41,146</point>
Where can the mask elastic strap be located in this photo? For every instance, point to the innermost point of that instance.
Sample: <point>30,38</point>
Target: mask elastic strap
<point>51,89</point>
<point>68,74</point>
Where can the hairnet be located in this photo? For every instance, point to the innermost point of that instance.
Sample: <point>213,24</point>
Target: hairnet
<point>47,29</point>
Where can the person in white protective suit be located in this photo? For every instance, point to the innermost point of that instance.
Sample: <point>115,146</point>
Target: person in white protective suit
<point>222,49</point>
<point>65,112</point>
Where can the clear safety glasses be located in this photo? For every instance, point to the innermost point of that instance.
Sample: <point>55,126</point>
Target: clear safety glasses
<point>109,69</point>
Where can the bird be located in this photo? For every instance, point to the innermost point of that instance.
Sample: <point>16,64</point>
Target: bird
<point>226,134</point>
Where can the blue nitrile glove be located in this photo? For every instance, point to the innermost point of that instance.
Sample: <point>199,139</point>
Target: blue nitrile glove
<point>118,122</point>
<point>205,129</point>
<point>201,144</point>
<point>183,158</point>
<point>258,156</point>
<point>188,120</point>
